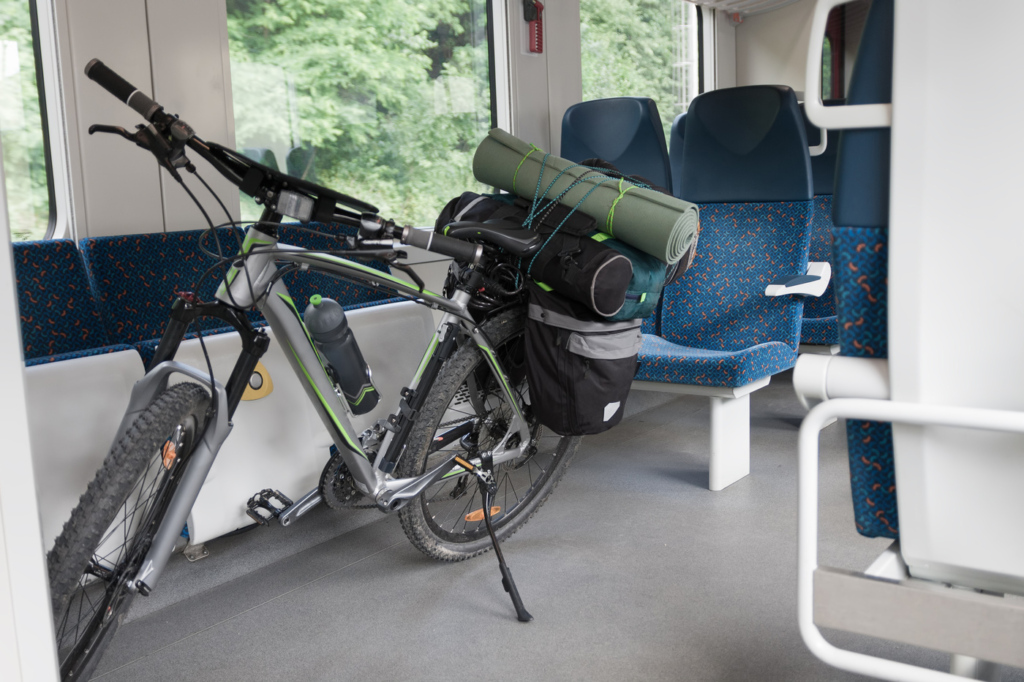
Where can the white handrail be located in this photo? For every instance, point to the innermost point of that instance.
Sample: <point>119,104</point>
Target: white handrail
<point>840,117</point>
<point>819,149</point>
<point>807,560</point>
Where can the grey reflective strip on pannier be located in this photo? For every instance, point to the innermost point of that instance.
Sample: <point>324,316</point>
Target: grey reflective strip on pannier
<point>464,211</point>
<point>606,346</point>
<point>593,285</point>
<point>554,319</point>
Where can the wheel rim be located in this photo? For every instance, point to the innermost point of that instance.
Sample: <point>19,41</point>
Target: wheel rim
<point>452,507</point>
<point>95,601</point>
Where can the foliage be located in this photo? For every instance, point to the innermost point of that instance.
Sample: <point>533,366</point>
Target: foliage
<point>21,132</point>
<point>393,96</point>
<point>630,49</point>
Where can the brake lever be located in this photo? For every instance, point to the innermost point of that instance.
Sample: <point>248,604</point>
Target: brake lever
<point>116,130</point>
<point>409,271</point>
<point>149,139</point>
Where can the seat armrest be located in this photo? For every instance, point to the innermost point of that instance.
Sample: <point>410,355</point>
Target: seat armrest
<point>813,283</point>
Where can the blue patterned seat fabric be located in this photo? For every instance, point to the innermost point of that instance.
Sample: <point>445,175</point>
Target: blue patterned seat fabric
<point>745,162</point>
<point>59,317</point>
<point>861,256</point>
<point>860,212</point>
<point>137,276</point>
<point>625,131</point>
<point>717,327</point>
<point>302,285</point>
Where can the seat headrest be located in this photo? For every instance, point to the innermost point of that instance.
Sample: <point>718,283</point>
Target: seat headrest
<point>823,166</point>
<point>861,196</point>
<point>745,144</point>
<point>625,131</point>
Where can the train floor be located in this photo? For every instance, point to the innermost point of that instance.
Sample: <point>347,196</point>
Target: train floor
<point>633,570</point>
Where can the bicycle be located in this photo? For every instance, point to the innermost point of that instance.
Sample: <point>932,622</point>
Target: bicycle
<point>464,419</point>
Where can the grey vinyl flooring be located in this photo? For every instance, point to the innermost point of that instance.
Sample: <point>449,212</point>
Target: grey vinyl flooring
<point>633,570</point>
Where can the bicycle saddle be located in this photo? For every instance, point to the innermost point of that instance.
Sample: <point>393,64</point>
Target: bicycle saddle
<point>508,235</point>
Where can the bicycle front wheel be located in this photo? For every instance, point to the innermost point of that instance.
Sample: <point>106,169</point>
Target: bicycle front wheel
<point>446,521</point>
<point>108,534</point>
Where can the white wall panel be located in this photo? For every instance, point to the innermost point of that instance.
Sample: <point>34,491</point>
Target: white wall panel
<point>771,48</point>
<point>191,78</point>
<point>529,83</point>
<point>565,70</point>
<point>121,184</point>
<point>544,85</point>
<point>26,631</point>
<point>956,320</point>
<point>725,52</point>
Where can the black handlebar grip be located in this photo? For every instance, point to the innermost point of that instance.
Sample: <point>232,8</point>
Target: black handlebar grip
<point>122,89</point>
<point>446,246</point>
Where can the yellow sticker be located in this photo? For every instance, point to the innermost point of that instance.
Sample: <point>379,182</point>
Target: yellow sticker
<point>260,384</point>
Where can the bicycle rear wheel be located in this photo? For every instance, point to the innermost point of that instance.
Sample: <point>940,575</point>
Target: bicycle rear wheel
<point>109,532</point>
<point>446,521</point>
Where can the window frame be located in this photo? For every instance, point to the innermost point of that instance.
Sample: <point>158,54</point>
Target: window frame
<point>44,118</point>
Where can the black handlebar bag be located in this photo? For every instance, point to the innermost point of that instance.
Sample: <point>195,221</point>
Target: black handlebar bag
<point>579,366</point>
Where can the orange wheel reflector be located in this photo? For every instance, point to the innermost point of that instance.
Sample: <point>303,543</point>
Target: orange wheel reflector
<point>478,515</point>
<point>171,452</point>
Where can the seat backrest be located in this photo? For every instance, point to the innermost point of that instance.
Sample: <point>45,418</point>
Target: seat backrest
<point>262,155</point>
<point>860,211</point>
<point>136,277</point>
<point>300,162</point>
<point>675,152</point>
<point>55,301</point>
<point>302,285</point>
<point>823,174</point>
<point>746,163</point>
<point>625,131</point>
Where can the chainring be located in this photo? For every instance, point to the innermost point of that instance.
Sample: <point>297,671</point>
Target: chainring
<point>336,484</point>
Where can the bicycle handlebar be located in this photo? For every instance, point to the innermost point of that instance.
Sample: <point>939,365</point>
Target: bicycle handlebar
<point>110,81</point>
<point>250,176</point>
<point>446,246</point>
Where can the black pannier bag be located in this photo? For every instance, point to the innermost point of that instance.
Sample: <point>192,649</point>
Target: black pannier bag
<point>579,366</point>
<point>481,208</point>
<point>584,270</point>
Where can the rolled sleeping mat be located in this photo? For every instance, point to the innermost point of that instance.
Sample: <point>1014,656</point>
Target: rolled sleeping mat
<point>655,223</point>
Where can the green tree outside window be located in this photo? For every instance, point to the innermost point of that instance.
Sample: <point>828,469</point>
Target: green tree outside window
<point>385,100</point>
<point>21,128</point>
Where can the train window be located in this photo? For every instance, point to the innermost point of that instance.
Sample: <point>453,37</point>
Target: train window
<point>22,124</point>
<point>842,38</point>
<point>384,99</point>
<point>646,48</point>
<point>832,53</point>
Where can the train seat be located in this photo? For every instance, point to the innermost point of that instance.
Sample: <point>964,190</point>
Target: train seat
<point>136,277</point>
<point>819,331</point>
<point>746,163</point>
<point>74,376</point>
<point>625,131</point>
<point>675,152</point>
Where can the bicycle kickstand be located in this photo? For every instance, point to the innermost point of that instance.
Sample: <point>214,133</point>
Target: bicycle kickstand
<point>488,487</point>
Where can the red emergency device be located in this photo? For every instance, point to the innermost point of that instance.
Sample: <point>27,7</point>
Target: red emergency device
<point>537,29</point>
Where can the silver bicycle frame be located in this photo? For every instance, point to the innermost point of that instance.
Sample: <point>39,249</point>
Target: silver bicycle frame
<point>254,284</point>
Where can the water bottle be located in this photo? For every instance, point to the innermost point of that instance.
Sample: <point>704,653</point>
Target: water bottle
<point>329,328</point>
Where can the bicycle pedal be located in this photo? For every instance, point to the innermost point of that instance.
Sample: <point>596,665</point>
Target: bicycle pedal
<point>267,505</point>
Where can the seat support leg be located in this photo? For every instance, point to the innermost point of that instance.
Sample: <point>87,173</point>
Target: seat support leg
<point>973,668</point>
<point>730,441</point>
